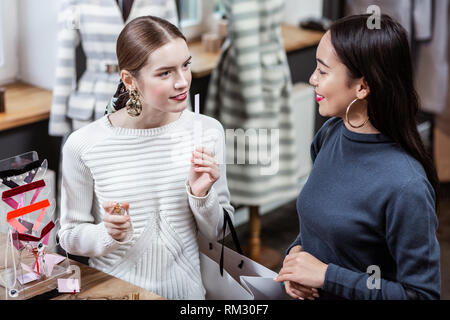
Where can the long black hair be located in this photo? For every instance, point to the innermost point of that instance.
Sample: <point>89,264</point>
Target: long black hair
<point>382,56</point>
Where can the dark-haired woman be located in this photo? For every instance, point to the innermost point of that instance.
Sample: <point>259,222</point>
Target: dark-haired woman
<point>142,157</point>
<point>368,210</point>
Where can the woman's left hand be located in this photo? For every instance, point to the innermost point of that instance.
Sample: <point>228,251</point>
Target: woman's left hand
<point>204,171</point>
<point>303,268</point>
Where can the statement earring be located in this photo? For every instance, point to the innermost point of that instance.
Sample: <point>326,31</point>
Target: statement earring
<point>134,106</point>
<point>348,121</point>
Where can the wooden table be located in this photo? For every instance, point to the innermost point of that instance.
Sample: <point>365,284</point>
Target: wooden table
<point>95,285</point>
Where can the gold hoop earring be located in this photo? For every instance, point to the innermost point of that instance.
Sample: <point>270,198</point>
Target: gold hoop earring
<point>348,121</point>
<point>134,105</point>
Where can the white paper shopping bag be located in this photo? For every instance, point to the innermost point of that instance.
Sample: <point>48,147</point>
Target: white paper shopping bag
<point>229,275</point>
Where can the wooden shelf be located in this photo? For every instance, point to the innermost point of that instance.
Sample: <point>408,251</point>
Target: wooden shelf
<point>24,104</point>
<point>203,63</point>
<point>294,38</point>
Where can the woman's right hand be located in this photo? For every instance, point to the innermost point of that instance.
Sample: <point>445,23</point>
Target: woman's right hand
<point>116,225</point>
<point>296,290</point>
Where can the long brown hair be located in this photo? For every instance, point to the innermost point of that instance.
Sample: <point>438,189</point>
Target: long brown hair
<point>138,39</point>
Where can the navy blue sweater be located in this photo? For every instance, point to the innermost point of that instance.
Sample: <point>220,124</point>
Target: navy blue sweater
<point>367,202</point>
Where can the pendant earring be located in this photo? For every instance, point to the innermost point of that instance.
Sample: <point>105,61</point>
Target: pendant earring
<point>348,121</point>
<point>134,106</point>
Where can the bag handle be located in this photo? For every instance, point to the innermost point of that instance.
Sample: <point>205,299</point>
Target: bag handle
<point>227,221</point>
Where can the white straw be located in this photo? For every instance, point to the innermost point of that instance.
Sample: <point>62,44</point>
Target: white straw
<point>197,106</point>
<point>197,122</point>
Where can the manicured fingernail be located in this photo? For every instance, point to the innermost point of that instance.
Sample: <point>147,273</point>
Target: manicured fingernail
<point>300,298</point>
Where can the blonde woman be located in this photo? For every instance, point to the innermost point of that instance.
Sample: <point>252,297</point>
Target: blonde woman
<point>141,156</point>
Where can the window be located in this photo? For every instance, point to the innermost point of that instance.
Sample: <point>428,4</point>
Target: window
<point>189,12</point>
<point>218,8</point>
<point>198,16</point>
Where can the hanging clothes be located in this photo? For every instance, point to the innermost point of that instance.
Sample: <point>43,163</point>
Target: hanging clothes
<point>125,7</point>
<point>427,24</point>
<point>96,24</point>
<point>250,90</point>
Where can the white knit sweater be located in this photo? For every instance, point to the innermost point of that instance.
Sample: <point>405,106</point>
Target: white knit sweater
<point>149,169</point>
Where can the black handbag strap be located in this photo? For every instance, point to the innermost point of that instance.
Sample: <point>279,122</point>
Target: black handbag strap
<point>227,221</point>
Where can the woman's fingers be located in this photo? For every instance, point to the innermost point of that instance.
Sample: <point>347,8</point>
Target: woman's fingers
<point>204,162</point>
<point>116,225</point>
<point>306,290</point>
<point>203,159</point>
<point>203,169</point>
<point>108,206</point>
<point>289,291</point>
<point>125,205</point>
<point>298,292</point>
<point>291,257</point>
<point>301,295</point>
<point>116,219</point>
<point>286,271</point>
<point>121,227</point>
<point>116,234</point>
<point>202,153</point>
<point>296,249</point>
<point>301,288</point>
<point>205,150</point>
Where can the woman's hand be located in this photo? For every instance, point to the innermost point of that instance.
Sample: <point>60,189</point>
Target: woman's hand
<point>116,225</point>
<point>304,269</point>
<point>204,171</point>
<point>296,290</point>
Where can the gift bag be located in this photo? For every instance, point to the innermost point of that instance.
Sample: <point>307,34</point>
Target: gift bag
<point>229,275</point>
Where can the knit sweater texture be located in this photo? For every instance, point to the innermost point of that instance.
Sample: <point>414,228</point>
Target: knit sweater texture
<point>368,211</point>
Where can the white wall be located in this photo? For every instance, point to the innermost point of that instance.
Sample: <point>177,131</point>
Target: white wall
<point>8,28</point>
<point>295,10</point>
<point>37,41</point>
